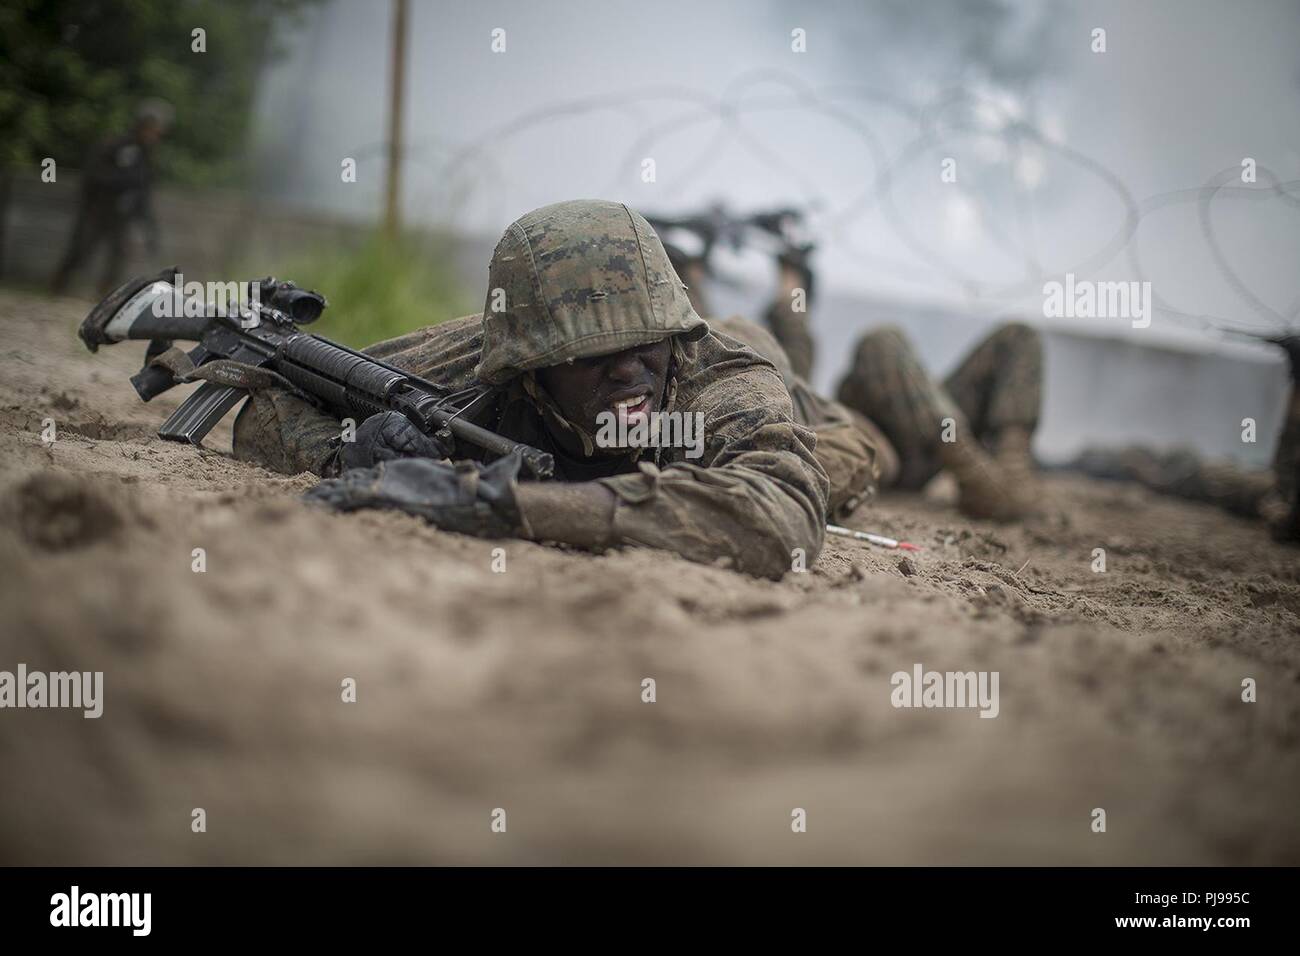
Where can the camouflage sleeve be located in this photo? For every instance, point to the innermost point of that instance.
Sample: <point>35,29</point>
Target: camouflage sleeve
<point>279,431</point>
<point>852,464</point>
<point>855,455</point>
<point>756,496</point>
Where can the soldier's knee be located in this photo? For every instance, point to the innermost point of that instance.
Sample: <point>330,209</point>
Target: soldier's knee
<point>1020,336</point>
<point>886,335</point>
<point>882,344</point>
<point>879,357</point>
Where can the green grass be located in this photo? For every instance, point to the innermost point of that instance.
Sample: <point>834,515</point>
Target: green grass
<point>380,289</point>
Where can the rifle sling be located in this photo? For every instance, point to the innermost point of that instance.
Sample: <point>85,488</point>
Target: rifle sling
<point>222,371</point>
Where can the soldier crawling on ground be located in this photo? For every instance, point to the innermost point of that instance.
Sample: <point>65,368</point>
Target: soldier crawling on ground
<point>1271,495</point>
<point>595,320</point>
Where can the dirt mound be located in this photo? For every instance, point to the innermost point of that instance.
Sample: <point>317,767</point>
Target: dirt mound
<point>55,511</point>
<point>228,618</point>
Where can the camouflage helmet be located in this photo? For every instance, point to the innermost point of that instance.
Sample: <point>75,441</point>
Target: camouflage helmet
<point>578,279</point>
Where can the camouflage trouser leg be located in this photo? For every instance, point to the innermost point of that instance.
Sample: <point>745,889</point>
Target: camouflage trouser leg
<point>1181,473</point>
<point>791,329</point>
<point>998,385</point>
<point>1219,483</point>
<point>887,384</point>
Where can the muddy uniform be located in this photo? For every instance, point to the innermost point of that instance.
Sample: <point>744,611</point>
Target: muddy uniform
<point>886,428</point>
<point>585,279</point>
<point>792,330</point>
<point>1182,473</point>
<point>1272,495</point>
<point>996,389</point>
<point>856,455</point>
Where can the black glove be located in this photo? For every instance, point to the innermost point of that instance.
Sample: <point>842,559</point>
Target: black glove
<point>387,437</point>
<point>464,496</point>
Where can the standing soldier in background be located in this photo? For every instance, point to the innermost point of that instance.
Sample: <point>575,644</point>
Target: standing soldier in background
<point>116,190</point>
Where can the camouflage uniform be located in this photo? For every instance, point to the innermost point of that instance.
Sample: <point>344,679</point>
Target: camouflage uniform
<point>855,454</point>
<point>1182,473</point>
<point>1272,495</point>
<point>589,278</point>
<point>857,457</point>
<point>996,388</point>
<point>792,328</point>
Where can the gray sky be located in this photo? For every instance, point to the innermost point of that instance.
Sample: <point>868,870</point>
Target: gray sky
<point>1047,134</point>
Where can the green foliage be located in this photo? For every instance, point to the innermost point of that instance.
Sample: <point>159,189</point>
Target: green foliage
<point>72,72</point>
<point>382,289</point>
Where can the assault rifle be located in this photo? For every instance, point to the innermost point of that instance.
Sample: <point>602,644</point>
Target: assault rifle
<point>776,231</point>
<point>257,344</point>
<point>779,232</point>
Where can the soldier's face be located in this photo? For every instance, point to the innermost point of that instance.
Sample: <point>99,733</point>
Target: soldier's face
<point>628,384</point>
<point>149,133</point>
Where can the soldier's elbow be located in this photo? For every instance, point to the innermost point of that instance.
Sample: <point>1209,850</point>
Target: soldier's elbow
<point>791,548</point>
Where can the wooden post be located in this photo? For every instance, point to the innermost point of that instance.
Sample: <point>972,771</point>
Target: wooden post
<point>396,89</point>
<point>6,180</point>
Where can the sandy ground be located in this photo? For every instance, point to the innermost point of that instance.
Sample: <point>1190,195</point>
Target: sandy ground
<point>522,690</point>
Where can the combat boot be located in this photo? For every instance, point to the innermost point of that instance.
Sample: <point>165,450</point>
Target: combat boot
<point>987,490</point>
<point>1013,452</point>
